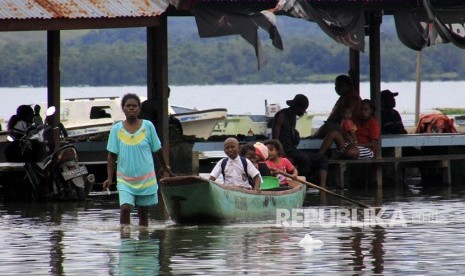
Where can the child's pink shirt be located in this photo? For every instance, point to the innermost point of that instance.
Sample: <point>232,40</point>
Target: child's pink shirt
<point>283,165</point>
<point>347,125</point>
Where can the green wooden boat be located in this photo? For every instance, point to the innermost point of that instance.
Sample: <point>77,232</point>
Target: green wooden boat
<point>194,200</point>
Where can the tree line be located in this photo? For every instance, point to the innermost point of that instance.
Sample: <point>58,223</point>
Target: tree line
<point>119,58</point>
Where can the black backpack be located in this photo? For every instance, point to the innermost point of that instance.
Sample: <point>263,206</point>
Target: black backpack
<point>244,164</point>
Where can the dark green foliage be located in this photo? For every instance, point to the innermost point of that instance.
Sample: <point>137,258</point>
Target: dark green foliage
<point>118,57</point>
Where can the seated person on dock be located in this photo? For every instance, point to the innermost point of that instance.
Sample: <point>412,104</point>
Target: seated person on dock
<point>276,161</point>
<point>37,119</point>
<point>391,122</point>
<point>236,169</point>
<point>257,154</point>
<point>368,135</point>
<point>21,121</point>
<point>17,127</point>
<point>284,130</point>
<point>348,98</point>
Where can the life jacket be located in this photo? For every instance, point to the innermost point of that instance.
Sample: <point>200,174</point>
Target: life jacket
<point>435,123</point>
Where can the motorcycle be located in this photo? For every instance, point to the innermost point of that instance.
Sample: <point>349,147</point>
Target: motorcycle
<point>52,175</point>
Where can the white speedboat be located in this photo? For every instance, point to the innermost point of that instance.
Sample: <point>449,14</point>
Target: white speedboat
<point>87,116</point>
<point>200,122</point>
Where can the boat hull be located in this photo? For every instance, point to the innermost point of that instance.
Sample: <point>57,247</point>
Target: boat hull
<point>201,123</point>
<point>194,200</point>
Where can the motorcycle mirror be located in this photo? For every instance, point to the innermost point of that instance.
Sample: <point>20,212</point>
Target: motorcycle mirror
<point>50,111</point>
<point>9,138</point>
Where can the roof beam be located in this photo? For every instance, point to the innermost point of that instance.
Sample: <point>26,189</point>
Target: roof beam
<point>57,24</point>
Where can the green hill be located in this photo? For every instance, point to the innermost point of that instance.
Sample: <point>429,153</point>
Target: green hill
<point>118,57</point>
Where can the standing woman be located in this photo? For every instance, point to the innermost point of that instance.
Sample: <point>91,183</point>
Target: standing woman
<point>134,143</point>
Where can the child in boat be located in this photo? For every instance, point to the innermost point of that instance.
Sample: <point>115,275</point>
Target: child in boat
<point>257,154</point>
<point>276,161</point>
<point>348,126</point>
<point>236,169</point>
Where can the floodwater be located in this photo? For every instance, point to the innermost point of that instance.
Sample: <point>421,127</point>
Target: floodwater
<point>420,232</point>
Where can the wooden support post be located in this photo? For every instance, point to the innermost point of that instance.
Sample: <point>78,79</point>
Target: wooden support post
<point>375,62</point>
<point>398,170</point>
<point>354,71</point>
<point>157,76</point>
<point>53,81</point>
<point>446,175</point>
<point>379,174</point>
<point>157,87</point>
<point>375,19</point>
<point>340,171</point>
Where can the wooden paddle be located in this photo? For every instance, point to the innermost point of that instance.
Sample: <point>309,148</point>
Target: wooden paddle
<point>319,188</point>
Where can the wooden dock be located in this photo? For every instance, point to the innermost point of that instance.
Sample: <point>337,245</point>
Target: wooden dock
<point>436,151</point>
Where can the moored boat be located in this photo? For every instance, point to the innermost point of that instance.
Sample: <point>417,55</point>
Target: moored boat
<point>200,123</point>
<point>193,200</point>
<point>260,124</point>
<point>460,120</point>
<point>88,116</point>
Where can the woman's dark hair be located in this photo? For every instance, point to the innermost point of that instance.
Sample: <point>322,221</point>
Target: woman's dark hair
<point>344,79</point>
<point>130,96</point>
<point>23,112</point>
<point>275,144</point>
<point>370,103</point>
<point>12,122</point>
<point>245,148</point>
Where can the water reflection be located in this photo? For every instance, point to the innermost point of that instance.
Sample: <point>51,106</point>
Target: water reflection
<point>138,256</point>
<point>85,239</point>
<point>368,252</point>
<point>56,253</point>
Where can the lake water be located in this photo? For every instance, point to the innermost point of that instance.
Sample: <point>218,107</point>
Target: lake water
<point>84,239</point>
<point>250,99</point>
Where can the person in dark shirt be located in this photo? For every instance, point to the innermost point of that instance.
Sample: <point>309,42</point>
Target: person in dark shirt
<point>17,127</point>
<point>149,112</point>
<point>284,130</point>
<point>391,122</point>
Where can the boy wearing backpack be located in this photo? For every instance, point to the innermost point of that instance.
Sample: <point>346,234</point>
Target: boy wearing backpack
<point>236,169</point>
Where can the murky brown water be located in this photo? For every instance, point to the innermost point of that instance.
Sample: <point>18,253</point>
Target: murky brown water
<point>85,239</point>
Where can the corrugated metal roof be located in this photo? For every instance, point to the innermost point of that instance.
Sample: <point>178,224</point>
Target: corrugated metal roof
<point>49,9</point>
